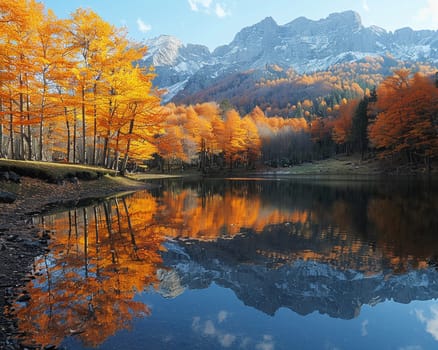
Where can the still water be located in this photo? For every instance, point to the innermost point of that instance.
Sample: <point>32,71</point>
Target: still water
<point>241,264</point>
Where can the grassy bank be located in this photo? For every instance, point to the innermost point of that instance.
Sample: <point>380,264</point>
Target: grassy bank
<point>53,172</point>
<point>341,166</point>
<point>56,172</point>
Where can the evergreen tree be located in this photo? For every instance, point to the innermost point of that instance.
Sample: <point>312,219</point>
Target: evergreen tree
<point>360,127</point>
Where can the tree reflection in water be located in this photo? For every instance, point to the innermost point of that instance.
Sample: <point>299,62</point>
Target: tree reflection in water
<point>101,256</point>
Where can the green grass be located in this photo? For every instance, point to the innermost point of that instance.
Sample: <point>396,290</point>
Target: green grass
<point>53,172</point>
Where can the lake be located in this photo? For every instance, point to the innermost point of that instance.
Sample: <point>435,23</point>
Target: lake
<point>263,264</point>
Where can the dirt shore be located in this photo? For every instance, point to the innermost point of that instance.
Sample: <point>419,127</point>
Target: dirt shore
<point>21,241</point>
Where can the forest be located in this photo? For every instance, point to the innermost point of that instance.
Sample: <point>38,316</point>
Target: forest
<point>72,90</point>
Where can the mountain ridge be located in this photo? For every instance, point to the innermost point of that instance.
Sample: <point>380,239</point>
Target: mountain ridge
<point>303,44</point>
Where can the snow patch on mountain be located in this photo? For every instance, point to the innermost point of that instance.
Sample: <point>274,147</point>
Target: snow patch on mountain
<point>172,90</point>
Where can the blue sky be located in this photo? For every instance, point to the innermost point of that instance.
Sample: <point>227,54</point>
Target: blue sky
<point>215,22</point>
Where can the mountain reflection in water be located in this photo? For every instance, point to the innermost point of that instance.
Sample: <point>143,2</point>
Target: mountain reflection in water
<point>323,247</point>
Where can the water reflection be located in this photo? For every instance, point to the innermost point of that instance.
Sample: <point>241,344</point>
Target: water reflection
<point>305,246</point>
<point>99,258</point>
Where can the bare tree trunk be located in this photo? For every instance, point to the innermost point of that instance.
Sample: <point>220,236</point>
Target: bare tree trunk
<point>108,160</point>
<point>41,132</point>
<point>94,125</point>
<point>21,108</point>
<point>11,128</point>
<point>94,135</point>
<point>105,152</point>
<point>1,128</point>
<point>74,135</point>
<point>67,124</point>
<point>41,126</point>
<point>117,154</point>
<point>84,150</point>
<point>128,146</point>
<point>116,161</point>
<point>29,129</point>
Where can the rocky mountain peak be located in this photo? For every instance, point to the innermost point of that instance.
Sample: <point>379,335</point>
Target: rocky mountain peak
<point>350,18</point>
<point>254,34</point>
<point>267,22</point>
<point>265,25</point>
<point>334,21</point>
<point>164,50</point>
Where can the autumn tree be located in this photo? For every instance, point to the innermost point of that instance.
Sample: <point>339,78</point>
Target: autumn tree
<point>252,142</point>
<point>48,64</point>
<point>113,92</point>
<point>16,40</point>
<point>144,115</point>
<point>233,141</point>
<point>87,30</point>
<point>198,129</point>
<point>170,147</point>
<point>342,125</point>
<point>208,115</point>
<point>406,123</point>
<point>71,87</point>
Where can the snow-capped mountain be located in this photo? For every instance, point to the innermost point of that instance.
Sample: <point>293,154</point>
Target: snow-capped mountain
<point>303,44</point>
<point>174,62</point>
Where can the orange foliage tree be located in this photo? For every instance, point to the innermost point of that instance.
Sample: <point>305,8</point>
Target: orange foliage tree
<point>70,88</point>
<point>342,125</point>
<point>406,123</point>
<point>200,135</point>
